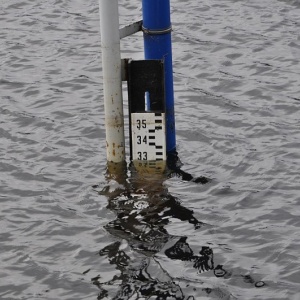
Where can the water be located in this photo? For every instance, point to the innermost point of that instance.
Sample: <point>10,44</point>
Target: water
<point>71,230</point>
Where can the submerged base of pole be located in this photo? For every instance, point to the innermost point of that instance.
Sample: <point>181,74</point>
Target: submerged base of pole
<point>150,166</point>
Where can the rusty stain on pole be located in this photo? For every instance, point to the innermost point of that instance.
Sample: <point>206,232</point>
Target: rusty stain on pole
<point>112,81</point>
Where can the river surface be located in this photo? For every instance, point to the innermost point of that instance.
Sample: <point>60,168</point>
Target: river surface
<point>71,229</point>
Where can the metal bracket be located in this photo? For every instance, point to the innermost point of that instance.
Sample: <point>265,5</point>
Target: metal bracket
<point>146,80</point>
<point>130,29</point>
<point>124,68</point>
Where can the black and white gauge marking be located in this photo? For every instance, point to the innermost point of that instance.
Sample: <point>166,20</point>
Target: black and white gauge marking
<point>148,133</point>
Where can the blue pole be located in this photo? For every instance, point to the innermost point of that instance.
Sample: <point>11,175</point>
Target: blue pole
<point>158,45</point>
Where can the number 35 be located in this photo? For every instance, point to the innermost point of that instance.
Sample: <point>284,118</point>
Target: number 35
<point>141,124</point>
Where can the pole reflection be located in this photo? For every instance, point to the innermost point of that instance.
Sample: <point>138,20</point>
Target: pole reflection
<point>143,208</point>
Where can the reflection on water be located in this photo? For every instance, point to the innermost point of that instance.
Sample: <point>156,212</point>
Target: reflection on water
<point>143,208</point>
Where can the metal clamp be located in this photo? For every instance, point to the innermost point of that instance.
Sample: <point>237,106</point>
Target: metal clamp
<point>156,32</point>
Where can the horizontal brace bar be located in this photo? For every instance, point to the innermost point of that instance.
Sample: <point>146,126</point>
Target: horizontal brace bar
<point>130,29</point>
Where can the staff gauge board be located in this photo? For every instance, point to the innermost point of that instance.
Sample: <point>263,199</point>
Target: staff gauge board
<point>148,133</point>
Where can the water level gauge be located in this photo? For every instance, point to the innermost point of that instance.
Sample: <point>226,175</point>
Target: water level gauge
<point>148,136</point>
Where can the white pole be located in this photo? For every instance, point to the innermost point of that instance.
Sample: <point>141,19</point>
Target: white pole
<point>112,82</point>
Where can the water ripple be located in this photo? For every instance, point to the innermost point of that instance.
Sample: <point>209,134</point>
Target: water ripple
<point>223,226</point>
